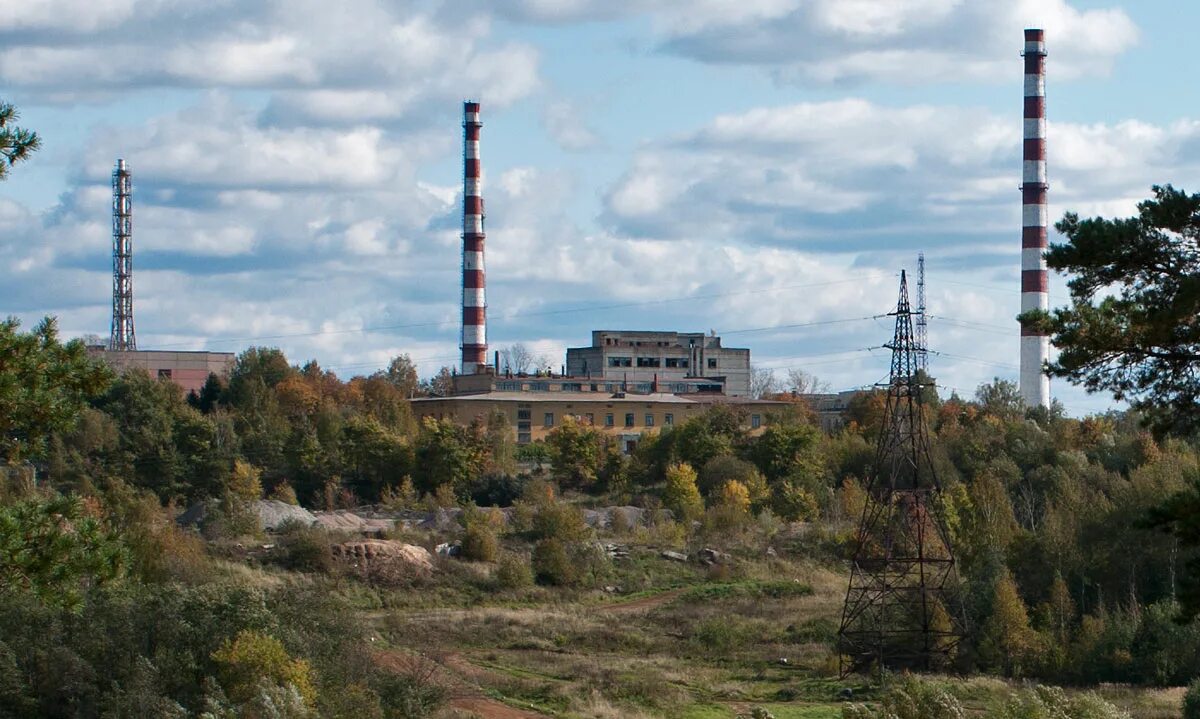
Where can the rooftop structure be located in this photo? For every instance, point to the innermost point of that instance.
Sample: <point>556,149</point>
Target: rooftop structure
<point>668,358</point>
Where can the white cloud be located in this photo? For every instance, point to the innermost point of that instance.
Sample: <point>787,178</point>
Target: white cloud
<point>833,41</point>
<point>347,62</point>
<point>568,126</point>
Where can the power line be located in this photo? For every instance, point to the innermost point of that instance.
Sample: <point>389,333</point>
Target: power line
<point>521,315</point>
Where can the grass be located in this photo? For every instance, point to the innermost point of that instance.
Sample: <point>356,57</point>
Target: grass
<point>657,638</point>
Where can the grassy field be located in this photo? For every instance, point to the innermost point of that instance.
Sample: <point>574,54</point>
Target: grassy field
<point>659,638</point>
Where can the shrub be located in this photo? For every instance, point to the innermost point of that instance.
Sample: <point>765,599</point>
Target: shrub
<point>403,496</point>
<point>794,503</point>
<point>1191,701</point>
<point>682,496</point>
<point>555,520</point>
<point>719,470</point>
<point>479,543</point>
<point>735,495</point>
<point>305,549</point>
<point>284,493</point>
<point>1041,702</point>
<point>551,565</point>
<point>910,698</point>
<point>412,692</point>
<point>244,663</point>
<point>496,489</point>
<point>513,572</point>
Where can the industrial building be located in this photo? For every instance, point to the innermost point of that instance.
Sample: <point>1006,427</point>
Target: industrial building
<point>189,370</point>
<point>624,416</point>
<point>679,360</point>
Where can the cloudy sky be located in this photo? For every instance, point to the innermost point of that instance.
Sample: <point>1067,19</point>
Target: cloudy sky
<point>762,168</point>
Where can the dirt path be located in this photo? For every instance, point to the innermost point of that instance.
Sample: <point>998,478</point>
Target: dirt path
<point>461,680</point>
<point>641,604</point>
<point>491,709</point>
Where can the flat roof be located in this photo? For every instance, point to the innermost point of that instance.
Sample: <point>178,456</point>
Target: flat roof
<point>562,397</point>
<point>598,397</point>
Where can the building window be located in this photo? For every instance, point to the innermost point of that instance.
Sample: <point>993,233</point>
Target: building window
<point>164,374</point>
<point>608,420</point>
<point>668,419</point>
<point>572,387</point>
<point>525,414</point>
<point>548,419</point>
<point>755,421</point>
<point>590,419</point>
<point>712,362</point>
<point>647,362</point>
<point>620,361</point>
<point>677,362</point>
<point>649,420</point>
<point>629,419</point>
<point>524,438</point>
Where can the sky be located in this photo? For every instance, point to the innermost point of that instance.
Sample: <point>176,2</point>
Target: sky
<point>761,168</point>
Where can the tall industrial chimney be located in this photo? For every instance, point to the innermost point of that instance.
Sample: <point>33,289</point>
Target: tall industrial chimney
<point>1035,346</point>
<point>122,336</point>
<point>474,297</point>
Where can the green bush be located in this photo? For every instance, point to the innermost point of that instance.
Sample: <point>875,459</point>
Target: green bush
<point>513,572</point>
<point>551,565</point>
<point>1041,702</point>
<point>1191,701</point>
<point>910,698</point>
<point>556,520</point>
<point>479,543</point>
<point>305,549</point>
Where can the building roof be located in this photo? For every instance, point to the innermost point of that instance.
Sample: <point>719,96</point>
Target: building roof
<point>595,397</point>
<point>605,397</point>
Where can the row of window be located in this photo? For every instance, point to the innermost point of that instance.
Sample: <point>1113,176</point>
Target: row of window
<point>674,362</point>
<point>610,419</point>
<point>676,387</point>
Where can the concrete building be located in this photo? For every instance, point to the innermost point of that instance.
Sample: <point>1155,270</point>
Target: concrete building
<point>671,358</point>
<point>830,408</point>
<point>625,416</point>
<point>189,370</point>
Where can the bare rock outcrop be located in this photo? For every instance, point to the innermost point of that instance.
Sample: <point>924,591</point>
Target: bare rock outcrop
<point>385,560</point>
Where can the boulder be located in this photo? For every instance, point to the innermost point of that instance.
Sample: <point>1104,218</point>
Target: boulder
<point>344,520</point>
<point>447,549</point>
<point>273,514</point>
<point>712,556</point>
<point>443,520</point>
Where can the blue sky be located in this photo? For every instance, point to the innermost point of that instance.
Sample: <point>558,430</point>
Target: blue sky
<point>668,164</point>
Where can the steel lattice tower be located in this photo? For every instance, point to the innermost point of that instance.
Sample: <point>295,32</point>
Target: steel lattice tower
<point>122,336</point>
<point>922,325</point>
<point>902,609</point>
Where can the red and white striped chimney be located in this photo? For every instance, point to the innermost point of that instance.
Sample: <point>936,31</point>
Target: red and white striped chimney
<point>474,299</point>
<point>1035,346</point>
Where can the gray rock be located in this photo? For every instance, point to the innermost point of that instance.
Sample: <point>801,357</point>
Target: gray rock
<point>273,514</point>
<point>712,556</point>
<point>673,556</point>
<point>443,520</point>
